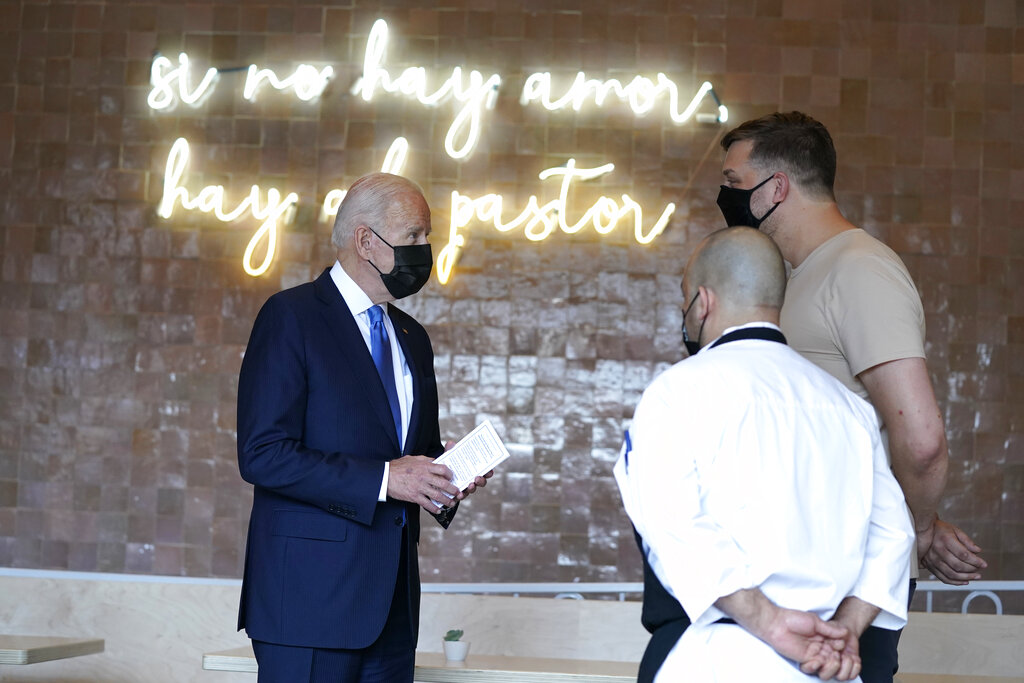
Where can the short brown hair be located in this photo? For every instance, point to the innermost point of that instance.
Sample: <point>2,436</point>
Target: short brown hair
<point>794,143</point>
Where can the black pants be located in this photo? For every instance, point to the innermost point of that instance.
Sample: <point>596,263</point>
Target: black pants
<point>878,650</point>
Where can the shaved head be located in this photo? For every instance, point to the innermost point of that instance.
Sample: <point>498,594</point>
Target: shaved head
<point>742,266</point>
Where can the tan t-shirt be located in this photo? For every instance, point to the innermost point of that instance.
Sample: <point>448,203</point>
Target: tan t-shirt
<point>852,305</point>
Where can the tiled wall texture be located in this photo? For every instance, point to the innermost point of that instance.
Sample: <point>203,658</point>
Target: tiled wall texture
<point>121,332</point>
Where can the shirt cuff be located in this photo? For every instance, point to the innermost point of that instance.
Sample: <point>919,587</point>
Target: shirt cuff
<point>383,495</point>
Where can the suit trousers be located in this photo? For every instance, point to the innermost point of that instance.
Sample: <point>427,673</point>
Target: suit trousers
<point>391,658</point>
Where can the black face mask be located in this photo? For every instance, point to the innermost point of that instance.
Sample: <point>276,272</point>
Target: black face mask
<point>413,263</point>
<point>692,347</point>
<point>735,205</point>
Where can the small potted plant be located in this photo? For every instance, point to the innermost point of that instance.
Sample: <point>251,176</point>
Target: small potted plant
<point>455,650</point>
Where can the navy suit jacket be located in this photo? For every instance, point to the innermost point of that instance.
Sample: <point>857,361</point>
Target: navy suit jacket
<point>314,431</point>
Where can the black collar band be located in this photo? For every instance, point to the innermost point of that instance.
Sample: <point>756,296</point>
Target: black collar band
<point>765,333</point>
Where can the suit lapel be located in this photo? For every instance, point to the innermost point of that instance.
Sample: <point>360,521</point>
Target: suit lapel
<point>414,369</point>
<point>342,324</point>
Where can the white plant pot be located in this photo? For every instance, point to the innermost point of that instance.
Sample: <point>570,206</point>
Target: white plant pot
<point>455,650</point>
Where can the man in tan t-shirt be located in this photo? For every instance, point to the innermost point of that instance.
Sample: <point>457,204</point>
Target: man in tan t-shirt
<point>851,308</point>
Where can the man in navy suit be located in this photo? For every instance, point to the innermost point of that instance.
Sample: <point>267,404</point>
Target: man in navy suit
<point>337,431</point>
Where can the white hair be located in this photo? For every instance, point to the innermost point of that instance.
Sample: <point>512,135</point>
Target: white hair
<point>368,202</point>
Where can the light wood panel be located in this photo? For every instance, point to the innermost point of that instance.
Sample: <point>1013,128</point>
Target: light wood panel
<point>432,668</point>
<point>17,649</point>
<point>538,627</point>
<point>944,678</point>
<point>236,659</point>
<point>963,644</point>
<point>164,628</point>
<point>153,631</point>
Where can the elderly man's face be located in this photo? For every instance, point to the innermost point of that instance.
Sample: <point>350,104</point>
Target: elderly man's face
<point>407,222</point>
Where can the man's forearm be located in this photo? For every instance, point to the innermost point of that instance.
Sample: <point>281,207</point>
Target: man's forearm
<point>855,614</point>
<point>901,391</point>
<point>749,608</point>
<point>923,479</point>
<point>796,635</point>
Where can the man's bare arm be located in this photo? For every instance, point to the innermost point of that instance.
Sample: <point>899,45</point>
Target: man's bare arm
<point>855,614</point>
<point>902,392</point>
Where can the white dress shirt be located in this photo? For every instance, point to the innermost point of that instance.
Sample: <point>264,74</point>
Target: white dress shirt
<point>357,302</point>
<point>747,466</point>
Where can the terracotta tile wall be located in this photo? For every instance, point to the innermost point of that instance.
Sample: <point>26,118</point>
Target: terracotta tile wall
<point>121,332</point>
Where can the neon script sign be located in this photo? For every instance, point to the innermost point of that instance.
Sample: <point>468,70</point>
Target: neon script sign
<point>473,94</point>
<point>306,81</point>
<point>210,199</point>
<point>539,221</point>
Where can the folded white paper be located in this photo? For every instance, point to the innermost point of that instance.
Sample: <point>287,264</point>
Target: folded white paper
<point>477,453</point>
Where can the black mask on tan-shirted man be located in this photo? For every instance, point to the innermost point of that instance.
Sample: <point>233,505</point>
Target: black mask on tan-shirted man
<point>735,205</point>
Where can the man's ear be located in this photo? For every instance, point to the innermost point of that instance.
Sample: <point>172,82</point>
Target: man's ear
<point>707,302</point>
<point>362,237</point>
<point>781,183</point>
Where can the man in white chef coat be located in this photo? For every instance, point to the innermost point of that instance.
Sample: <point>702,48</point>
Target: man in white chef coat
<point>759,487</point>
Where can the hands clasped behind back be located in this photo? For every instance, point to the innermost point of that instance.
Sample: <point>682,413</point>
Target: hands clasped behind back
<point>416,479</point>
<point>824,649</point>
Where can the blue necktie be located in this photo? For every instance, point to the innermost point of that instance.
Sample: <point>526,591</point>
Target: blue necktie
<point>380,349</point>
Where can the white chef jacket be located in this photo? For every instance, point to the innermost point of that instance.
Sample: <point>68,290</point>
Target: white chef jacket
<point>748,466</point>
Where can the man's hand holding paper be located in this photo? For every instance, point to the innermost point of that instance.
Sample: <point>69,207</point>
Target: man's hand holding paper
<point>473,459</point>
